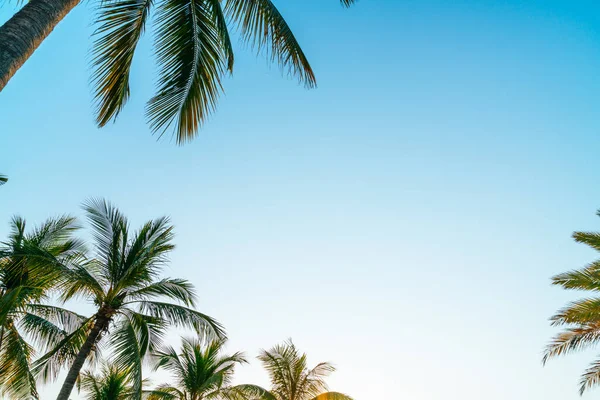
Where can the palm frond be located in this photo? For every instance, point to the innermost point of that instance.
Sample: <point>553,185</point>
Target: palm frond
<point>246,392</point>
<point>50,364</point>
<point>592,239</point>
<point>3,179</point>
<point>590,378</point>
<point>572,339</point>
<point>177,289</point>
<point>67,319</point>
<point>587,278</point>
<point>192,61</point>
<point>183,317</point>
<point>128,355</point>
<point>120,25</point>
<point>16,379</point>
<point>262,25</point>
<point>585,311</point>
<point>164,392</point>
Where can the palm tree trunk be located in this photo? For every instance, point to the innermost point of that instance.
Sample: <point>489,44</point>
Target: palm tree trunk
<point>99,327</point>
<point>23,33</point>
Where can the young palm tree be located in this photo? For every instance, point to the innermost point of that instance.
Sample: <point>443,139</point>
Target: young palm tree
<point>201,371</point>
<point>580,319</point>
<point>31,265</point>
<point>292,380</point>
<point>193,49</point>
<point>112,383</point>
<point>122,282</point>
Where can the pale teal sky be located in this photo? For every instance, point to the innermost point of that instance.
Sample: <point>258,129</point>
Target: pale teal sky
<point>402,220</point>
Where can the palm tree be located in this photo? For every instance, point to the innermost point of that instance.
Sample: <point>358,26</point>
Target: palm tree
<point>201,371</point>
<point>580,319</point>
<point>193,50</point>
<point>292,380</point>
<point>122,282</point>
<point>113,383</point>
<point>31,266</point>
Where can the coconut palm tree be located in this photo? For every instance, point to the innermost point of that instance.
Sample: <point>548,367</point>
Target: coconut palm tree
<point>32,265</point>
<point>192,46</point>
<point>122,282</point>
<point>112,383</point>
<point>580,319</point>
<point>201,371</point>
<point>291,379</point>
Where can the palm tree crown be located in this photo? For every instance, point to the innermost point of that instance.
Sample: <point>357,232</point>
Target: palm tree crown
<point>201,371</point>
<point>194,51</point>
<point>580,319</point>
<point>291,379</point>
<point>122,281</point>
<point>112,383</point>
<point>31,266</point>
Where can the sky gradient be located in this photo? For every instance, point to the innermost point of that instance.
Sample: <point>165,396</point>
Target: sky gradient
<point>401,220</point>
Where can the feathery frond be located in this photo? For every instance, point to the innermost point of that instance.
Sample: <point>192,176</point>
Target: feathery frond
<point>192,61</point>
<point>263,26</point>
<point>290,377</point>
<point>121,24</point>
<point>201,371</point>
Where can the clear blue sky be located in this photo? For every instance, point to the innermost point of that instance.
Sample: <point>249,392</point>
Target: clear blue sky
<point>402,220</point>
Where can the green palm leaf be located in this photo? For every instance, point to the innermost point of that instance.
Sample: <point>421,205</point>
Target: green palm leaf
<point>121,24</point>
<point>263,26</point>
<point>192,60</point>
<point>3,179</point>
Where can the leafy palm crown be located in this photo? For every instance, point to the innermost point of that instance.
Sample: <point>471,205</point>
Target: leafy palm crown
<point>122,281</point>
<point>580,319</point>
<point>201,371</point>
<point>31,266</point>
<point>111,383</point>
<point>291,379</point>
<point>194,51</point>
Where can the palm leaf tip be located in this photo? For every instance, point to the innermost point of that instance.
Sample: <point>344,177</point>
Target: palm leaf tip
<point>264,28</point>
<point>3,179</point>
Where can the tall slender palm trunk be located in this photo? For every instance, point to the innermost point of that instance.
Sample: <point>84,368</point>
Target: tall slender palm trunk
<point>25,31</point>
<point>100,326</point>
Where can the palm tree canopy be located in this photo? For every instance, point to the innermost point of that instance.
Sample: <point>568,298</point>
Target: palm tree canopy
<point>32,265</point>
<point>580,319</point>
<point>135,306</point>
<point>112,383</point>
<point>194,52</point>
<point>201,371</point>
<point>291,379</point>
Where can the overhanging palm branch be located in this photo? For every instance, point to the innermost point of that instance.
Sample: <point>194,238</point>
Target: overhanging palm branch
<point>3,179</point>
<point>291,379</point>
<point>194,52</point>
<point>31,265</point>
<point>580,319</point>
<point>201,371</point>
<point>134,306</point>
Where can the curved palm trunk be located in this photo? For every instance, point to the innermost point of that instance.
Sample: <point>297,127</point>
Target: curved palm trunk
<point>25,31</point>
<point>100,326</point>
